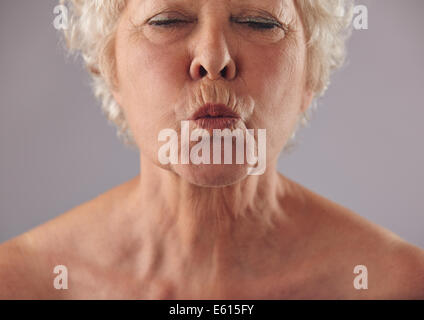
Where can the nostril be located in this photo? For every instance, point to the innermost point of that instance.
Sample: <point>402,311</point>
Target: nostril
<point>202,71</point>
<point>224,72</point>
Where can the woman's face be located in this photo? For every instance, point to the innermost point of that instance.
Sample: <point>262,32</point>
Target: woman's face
<point>174,56</point>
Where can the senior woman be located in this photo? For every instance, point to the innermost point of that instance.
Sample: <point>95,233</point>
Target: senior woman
<point>190,229</point>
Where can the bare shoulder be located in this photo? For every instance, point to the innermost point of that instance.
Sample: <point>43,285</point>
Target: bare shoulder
<point>346,239</point>
<point>76,238</point>
<point>27,261</point>
<point>13,276</point>
<point>408,261</point>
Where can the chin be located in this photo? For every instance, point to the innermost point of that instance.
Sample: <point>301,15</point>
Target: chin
<point>212,175</point>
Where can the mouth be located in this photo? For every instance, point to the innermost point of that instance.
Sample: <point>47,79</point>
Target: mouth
<point>215,116</point>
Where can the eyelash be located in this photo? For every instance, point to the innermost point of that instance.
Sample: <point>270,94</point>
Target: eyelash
<point>261,26</point>
<point>167,23</point>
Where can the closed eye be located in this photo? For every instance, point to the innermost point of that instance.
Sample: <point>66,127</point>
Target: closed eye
<point>167,23</point>
<point>259,25</point>
<point>256,25</point>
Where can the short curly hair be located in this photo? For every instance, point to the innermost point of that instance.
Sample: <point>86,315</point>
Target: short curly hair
<point>92,25</point>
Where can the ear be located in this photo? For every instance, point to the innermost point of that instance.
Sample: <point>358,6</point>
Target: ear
<point>109,68</point>
<point>115,87</point>
<point>114,83</point>
<point>116,93</point>
<point>307,97</point>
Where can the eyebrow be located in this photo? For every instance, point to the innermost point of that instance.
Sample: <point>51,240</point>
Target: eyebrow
<point>278,8</point>
<point>283,3</point>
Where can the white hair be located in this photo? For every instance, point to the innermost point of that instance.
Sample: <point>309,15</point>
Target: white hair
<point>92,26</point>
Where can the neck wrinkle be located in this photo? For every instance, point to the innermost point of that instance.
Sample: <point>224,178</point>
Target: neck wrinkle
<point>218,209</point>
<point>203,231</point>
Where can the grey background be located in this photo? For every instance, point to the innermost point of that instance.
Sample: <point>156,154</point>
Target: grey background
<point>363,148</point>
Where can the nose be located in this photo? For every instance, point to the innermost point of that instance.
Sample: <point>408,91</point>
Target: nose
<point>212,57</point>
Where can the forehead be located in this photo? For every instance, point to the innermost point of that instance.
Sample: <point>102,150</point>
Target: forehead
<point>281,9</point>
<point>272,5</point>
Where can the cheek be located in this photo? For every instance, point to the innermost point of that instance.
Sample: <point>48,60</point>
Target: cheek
<point>150,80</point>
<point>274,76</point>
<point>152,70</point>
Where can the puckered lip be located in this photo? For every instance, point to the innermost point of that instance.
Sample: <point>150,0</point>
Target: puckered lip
<point>210,110</point>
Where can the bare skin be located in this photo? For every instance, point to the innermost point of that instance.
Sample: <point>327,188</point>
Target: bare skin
<point>199,232</point>
<point>120,246</point>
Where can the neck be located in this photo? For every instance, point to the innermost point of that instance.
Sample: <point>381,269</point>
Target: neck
<point>204,228</point>
<point>217,210</point>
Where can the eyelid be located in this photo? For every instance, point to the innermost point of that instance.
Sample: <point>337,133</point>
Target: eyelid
<point>166,21</point>
<point>170,15</point>
<point>252,17</point>
<point>257,19</point>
